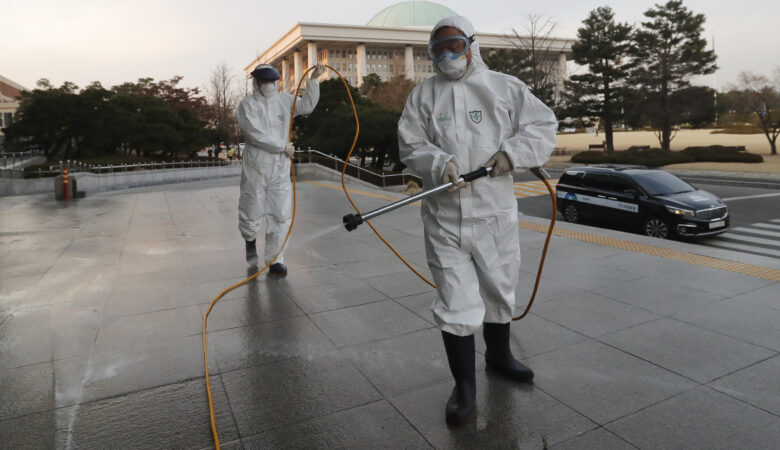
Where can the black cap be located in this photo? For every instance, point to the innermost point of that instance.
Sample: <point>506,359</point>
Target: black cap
<point>265,73</point>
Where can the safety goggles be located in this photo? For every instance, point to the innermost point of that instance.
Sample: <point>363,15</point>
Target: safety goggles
<point>452,47</point>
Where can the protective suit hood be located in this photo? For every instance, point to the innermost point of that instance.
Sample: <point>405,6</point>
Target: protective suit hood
<point>463,24</point>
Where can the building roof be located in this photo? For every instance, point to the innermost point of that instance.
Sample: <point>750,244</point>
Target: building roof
<point>411,14</point>
<point>10,90</point>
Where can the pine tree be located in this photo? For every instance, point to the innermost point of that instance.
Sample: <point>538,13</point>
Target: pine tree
<point>668,50</point>
<point>603,46</point>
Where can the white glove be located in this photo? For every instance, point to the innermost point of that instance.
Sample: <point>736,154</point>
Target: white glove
<point>500,164</point>
<point>289,150</point>
<point>318,70</point>
<point>452,173</point>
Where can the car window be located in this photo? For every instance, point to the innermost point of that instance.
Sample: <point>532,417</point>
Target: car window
<point>658,182</point>
<point>598,181</point>
<point>620,184</point>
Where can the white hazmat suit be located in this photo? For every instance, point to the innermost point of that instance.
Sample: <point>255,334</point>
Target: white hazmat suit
<point>266,190</point>
<point>471,234</point>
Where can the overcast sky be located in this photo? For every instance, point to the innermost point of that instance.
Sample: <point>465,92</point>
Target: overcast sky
<point>112,41</point>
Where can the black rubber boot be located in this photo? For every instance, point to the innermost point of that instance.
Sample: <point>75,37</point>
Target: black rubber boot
<point>499,356</point>
<point>251,253</point>
<point>460,354</point>
<point>278,269</point>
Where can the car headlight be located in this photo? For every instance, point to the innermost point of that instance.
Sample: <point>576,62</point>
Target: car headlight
<point>680,211</point>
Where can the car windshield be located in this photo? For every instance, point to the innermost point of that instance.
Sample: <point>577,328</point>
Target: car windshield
<point>658,182</point>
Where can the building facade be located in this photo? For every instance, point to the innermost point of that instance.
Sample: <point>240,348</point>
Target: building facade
<point>9,102</point>
<point>393,43</point>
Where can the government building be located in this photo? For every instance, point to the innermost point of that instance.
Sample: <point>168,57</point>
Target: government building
<point>393,43</point>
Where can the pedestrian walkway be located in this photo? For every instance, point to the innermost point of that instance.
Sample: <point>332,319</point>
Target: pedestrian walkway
<point>636,342</point>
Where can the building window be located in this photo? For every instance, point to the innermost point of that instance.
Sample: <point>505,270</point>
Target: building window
<point>8,119</point>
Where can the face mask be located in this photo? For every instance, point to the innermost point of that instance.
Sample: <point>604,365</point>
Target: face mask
<point>268,89</point>
<point>453,69</point>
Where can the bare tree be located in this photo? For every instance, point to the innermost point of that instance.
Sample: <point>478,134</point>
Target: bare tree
<point>539,52</point>
<point>761,97</point>
<point>223,96</point>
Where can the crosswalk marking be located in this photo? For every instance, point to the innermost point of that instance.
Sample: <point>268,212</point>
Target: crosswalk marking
<point>759,238</point>
<point>767,226</point>
<point>758,231</point>
<point>532,188</point>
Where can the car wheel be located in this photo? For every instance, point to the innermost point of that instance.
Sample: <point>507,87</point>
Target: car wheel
<point>656,227</point>
<point>571,213</point>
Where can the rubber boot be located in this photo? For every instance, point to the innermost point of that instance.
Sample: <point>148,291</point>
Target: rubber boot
<point>251,253</point>
<point>460,354</point>
<point>499,356</point>
<point>278,269</point>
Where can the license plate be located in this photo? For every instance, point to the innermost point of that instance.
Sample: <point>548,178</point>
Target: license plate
<point>717,224</point>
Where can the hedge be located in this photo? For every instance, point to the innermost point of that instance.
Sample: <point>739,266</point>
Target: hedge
<point>656,157</point>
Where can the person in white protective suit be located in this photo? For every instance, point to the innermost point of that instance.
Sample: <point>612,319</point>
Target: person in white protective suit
<point>464,118</point>
<point>266,190</point>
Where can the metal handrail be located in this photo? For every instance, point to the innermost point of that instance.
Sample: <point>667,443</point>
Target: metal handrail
<point>339,164</point>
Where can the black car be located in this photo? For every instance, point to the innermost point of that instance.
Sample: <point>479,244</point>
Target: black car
<point>654,202</point>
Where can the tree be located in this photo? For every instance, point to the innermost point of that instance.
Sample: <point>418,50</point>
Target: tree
<point>534,59</point>
<point>603,46</point>
<point>668,50</point>
<point>223,100</point>
<point>760,96</point>
<point>391,94</point>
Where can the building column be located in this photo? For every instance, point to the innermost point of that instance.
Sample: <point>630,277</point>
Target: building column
<point>285,75</point>
<point>409,62</point>
<point>360,54</point>
<point>559,83</point>
<point>312,54</point>
<point>297,66</point>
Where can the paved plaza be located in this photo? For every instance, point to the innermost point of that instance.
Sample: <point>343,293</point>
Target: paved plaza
<point>635,342</point>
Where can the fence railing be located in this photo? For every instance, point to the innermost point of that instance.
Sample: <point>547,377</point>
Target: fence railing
<point>76,166</point>
<point>311,156</point>
<point>354,170</point>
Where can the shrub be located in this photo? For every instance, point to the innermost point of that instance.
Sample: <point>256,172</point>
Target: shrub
<point>656,157</point>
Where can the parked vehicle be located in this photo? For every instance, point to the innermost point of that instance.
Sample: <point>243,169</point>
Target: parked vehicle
<point>654,202</point>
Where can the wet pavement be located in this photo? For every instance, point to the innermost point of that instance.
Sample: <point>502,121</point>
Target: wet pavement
<point>102,299</point>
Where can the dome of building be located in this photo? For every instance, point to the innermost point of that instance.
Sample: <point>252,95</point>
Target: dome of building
<point>411,14</point>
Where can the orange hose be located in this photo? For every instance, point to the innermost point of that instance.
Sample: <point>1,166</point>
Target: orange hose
<point>211,305</point>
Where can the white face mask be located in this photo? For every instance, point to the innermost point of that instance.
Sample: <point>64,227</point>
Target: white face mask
<point>453,69</point>
<point>268,89</point>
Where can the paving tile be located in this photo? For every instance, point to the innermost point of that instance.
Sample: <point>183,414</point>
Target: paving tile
<point>658,296</point>
<point>718,282</point>
<point>700,419</point>
<point>603,383</point>
<point>263,302</point>
<point>589,275</point>
<point>598,439</point>
<point>126,370</point>
<point>366,323</point>
<point>419,304</point>
<point>768,296</point>
<point>149,329</point>
<point>140,301</point>
<point>27,390</point>
<point>509,415</point>
<point>758,385</point>
<point>400,284</point>
<point>646,265</point>
<point>31,336</point>
<point>754,324</point>
<point>170,416</point>
<point>34,431</point>
<point>591,314</point>
<point>534,335</point>
<point>265,343</point>
<point>375,425</point>
<point>688,350</point>
<point>294,390</point>
<point>333,296</point>
<point>403,363</point>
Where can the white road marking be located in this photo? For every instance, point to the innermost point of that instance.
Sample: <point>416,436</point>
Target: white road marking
<point>758,231</point>
<point>751,196</point>
<point>740,237</point>
<point>747,248</point>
